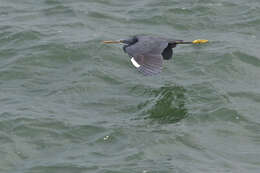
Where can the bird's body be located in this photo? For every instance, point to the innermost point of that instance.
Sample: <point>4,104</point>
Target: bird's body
<point>148,52</point>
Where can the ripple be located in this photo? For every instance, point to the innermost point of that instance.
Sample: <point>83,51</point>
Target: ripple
<point>66,168</point>
<point>249,95</point>
<point>246,58</point>
<point>42,131</point>
<point>20,40</point>
<point>5,138</point>
<point>59,10</point>
<point>167,105</point>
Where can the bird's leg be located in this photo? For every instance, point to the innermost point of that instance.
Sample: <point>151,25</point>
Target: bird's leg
<point>191,42</point>
<point>112,41</point>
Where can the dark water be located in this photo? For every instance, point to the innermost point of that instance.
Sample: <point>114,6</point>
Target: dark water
<point>69,104</point>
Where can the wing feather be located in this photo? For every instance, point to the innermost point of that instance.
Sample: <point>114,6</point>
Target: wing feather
<point>147,52</point>
<point>149,64</point>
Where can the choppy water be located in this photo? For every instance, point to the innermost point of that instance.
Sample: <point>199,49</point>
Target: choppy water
<point>71,104</point>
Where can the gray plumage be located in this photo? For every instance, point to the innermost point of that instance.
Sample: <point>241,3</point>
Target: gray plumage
<point>149,52</point>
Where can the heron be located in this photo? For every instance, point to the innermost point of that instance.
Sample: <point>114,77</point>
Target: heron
<point>148,52</point>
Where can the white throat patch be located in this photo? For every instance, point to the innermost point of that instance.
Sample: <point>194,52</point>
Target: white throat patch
<point>135,63</point>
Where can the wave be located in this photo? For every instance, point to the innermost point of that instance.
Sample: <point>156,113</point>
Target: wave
<point>167,105</point>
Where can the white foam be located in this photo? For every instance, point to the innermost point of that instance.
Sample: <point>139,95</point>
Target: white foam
<point>135,63</point>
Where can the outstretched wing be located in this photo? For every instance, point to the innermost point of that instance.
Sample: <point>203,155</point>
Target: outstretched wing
<point>146,54</point>
<point>148,64</point>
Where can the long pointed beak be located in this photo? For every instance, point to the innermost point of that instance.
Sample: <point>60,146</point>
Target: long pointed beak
<point>112,42</point>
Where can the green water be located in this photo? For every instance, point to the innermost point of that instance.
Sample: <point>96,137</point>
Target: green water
<point>69,104</point>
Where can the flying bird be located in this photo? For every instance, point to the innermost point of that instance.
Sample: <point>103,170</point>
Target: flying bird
<point>148,52</point>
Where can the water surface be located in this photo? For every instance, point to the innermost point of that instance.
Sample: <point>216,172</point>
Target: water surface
<point>71,104</point>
